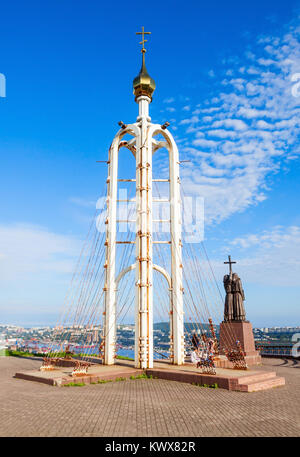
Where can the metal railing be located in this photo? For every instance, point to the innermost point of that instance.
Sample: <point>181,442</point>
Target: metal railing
<point>274,350</point>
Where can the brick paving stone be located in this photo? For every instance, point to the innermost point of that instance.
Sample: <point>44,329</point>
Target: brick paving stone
<point>146,407</point>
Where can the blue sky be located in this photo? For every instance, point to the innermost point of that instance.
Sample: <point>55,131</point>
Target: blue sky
<point>223,72</point>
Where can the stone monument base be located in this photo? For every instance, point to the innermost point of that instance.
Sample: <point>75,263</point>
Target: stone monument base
<point>242,331</point>
<point>251,380</point>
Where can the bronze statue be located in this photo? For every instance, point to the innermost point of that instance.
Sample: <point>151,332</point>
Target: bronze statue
<point>234,302</point>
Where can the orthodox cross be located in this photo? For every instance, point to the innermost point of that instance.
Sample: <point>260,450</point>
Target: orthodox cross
<point>230,262</point>
<point>143,33</point>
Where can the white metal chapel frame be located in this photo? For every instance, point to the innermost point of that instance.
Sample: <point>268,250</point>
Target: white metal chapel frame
<point>143,145</point>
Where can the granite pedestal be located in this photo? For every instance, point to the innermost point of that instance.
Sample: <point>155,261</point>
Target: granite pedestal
<point>242,331</point>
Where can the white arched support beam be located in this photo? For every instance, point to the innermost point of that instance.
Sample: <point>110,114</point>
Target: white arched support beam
<point>158,144</point>
<point>177,315</point>
<point>110,244</point>
<point>129,145</point>
<point>155,267</point>
<point>166,275</point>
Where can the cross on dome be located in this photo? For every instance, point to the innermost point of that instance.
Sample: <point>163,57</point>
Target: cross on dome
<point>143,84</point>
<point>143,33</point>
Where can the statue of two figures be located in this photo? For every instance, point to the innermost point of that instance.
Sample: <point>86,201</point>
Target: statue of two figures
<point>234,309</point>
<point>234,312</point>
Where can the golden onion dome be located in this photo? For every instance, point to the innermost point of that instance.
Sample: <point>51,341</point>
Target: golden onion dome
<point>143,84</point>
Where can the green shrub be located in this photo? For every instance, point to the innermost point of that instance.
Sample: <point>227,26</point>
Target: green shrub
<point>141,376</point>
<point>74,384</point>
<point>211,386</point>
<point>33,354</point>
<point>123,357</point>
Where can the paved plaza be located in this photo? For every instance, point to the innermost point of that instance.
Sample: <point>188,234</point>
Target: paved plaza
<point>146,407</point>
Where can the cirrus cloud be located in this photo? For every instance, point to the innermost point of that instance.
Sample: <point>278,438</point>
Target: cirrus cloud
<point>246,133</point>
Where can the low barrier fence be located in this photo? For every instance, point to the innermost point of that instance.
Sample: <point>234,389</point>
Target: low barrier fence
<point>275,350</point>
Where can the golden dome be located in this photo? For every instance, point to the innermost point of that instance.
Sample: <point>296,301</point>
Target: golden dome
<point>143,84</point>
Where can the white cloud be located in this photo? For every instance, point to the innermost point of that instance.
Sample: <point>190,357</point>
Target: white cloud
<point>192,129</point>
<point>169,100</point>
<point>207,119</point>
<point>266,62</point>
<point>252,71</point>
<point>264,125</point>
<point>278,237</point>
<point>83,202</point>
<point>253,89</point>
<point>36,267</point>
<point>271,257</point>
<point>254,126</point>
<point>27,250</point>
<point>287,123</point>
<point>204,143</point>
<point>236,124</point>
<point>209,110</point>
<point>221,133</point>
<point>251,113</point>
<point>237,83</point>
<point>192,120</point>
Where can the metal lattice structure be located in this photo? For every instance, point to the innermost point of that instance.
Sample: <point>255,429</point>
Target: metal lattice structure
<point>143,144</point>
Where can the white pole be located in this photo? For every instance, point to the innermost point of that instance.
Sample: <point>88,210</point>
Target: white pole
<point>176,295</point>
<point>110,264</point>
<point>176,256</point>
<point>144,300</point>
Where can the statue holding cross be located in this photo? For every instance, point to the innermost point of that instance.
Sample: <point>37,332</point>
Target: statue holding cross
<point>234,302</point>
<point>236,339</point>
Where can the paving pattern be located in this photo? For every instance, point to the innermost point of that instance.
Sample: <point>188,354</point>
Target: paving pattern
<point>146,407</point>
